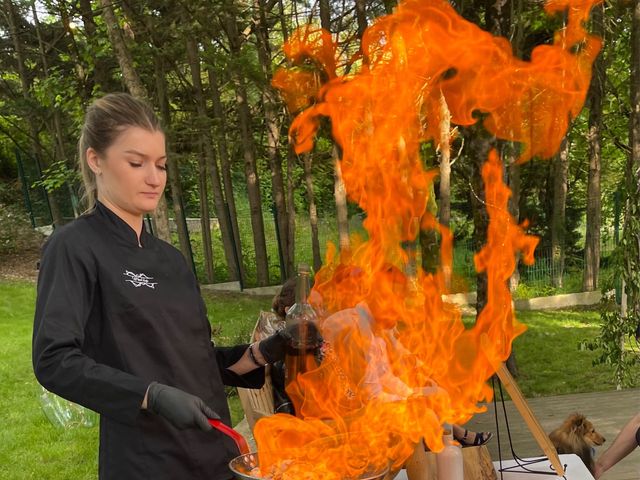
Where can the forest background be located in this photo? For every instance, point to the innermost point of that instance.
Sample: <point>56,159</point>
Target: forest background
<point>242,206</point>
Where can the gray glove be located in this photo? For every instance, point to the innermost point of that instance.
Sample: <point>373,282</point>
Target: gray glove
<point>180,408</point>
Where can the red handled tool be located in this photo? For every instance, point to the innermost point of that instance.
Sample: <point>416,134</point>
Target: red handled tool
<point>239,439</point>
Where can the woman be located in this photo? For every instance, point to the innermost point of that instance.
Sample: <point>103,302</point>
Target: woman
<point>120,326</point>
<point>626,442</point>
<point>269,323</point>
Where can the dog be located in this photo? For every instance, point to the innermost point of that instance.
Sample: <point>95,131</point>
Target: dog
<point>577,435</point>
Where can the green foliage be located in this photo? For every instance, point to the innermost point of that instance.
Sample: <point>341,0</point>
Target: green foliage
<point>617,343</point>
<point>83,65</point>
<point>55,176</point>
<point>526,291</point>
<point>327,232</point>
<point>614,343</point>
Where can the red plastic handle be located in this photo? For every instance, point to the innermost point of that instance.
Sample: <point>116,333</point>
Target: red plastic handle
<point>239,439</point>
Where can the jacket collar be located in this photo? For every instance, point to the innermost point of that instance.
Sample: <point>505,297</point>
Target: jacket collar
<point>120,228</point>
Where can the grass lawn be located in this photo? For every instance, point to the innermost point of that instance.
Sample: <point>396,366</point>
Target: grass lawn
<point>548,355</point>
<point>30,447</point>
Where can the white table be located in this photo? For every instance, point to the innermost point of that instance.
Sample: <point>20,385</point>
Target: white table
<point>574,470</point>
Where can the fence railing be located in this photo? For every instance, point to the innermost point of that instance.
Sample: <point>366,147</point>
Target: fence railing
<point>39,204</point>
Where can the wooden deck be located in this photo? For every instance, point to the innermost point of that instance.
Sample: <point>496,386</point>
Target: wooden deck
<point>608,411</point>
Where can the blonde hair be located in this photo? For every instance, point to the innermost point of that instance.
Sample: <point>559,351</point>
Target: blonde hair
<point>105,119</point>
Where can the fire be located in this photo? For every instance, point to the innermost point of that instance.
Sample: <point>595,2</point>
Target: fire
<point>399,362</point>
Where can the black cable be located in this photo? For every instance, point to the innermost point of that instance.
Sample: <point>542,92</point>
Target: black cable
<point>495,411</point>
<point>520,462</point>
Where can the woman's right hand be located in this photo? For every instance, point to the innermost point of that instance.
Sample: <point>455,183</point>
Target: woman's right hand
<point>180,408</point>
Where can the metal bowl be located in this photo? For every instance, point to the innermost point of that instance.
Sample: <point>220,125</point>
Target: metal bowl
<point>241,467</point>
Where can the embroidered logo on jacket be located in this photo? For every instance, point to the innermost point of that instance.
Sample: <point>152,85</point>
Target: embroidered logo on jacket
<point>139,279</point>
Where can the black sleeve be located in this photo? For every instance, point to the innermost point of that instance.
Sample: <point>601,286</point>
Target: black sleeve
<point>67,285</point>
<point>227,356</point>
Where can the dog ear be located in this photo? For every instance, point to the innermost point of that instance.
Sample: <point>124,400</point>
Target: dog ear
<point>579,423</point>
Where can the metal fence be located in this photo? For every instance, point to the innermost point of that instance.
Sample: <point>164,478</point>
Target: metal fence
<point>542,271</point>
<point>39,203</point>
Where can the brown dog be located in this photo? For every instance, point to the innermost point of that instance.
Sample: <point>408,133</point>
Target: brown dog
<point>577,435</point>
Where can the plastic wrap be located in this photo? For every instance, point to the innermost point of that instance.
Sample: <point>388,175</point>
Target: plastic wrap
<point>65,414</point>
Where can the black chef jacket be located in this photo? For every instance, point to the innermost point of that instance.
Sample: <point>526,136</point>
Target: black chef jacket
<point>111,317</point>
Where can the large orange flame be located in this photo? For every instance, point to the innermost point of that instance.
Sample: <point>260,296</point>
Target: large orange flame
<point>399,362</point>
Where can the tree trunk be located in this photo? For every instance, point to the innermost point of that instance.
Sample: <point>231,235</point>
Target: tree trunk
<point>25,83</point>
<point>272,126</point>
<point>339,190</point>
<point>513,180</point>
<point>73,50</point>
<point>161,220</point>
<point>253,183</point>
<point>592,239</point>
<point>479,144</point>
<point>429,245</point>
<point>497,21</point>
<point>173,172</point>
<point>445,163</point>
<point>313,214</point>
<point>291,163</point>
<point>123,55</point>
<point>100,73</point>
<point>291,243</point>
<point>220,128</point>
<point>340,194</point>
<point>325,15</point>
<point>513,172</point>
<point>634,94</point>
<point>558,220</point>
<point>632,224</point>
<point>443,209</point>
<point>248,146</point>
<point>137,89</point>
<point>389,5</point>
<point>58,133</point>
<point>361,18</point>
<point>496,17</point>
<point>204,214</point>
<point>203,122</point>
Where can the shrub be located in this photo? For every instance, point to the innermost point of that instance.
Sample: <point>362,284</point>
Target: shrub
<point>16,233</point>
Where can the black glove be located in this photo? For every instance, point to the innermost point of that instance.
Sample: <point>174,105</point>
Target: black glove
<point>182,409</point>
<point>299,336</point>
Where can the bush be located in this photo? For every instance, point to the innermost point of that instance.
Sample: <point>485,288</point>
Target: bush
<point>16,233</point>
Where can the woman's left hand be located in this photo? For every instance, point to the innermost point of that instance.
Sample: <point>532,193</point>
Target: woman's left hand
<point>306,336</point>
